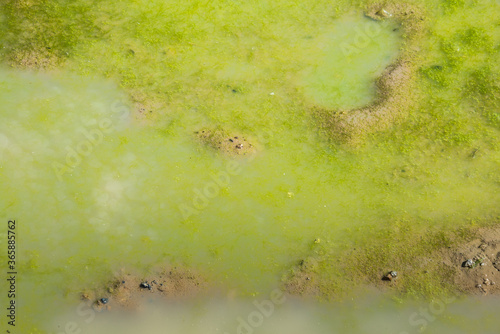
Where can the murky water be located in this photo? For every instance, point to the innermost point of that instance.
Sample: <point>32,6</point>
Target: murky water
<point>93,191</point>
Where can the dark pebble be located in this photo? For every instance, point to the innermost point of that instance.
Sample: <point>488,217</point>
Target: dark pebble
<point>145,285</point>
<point>104,300</point>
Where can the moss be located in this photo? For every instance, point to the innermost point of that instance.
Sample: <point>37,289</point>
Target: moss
<point>450,6</point>
<point>41,34</point>
<point>436,74</point>
<point>482,90</point>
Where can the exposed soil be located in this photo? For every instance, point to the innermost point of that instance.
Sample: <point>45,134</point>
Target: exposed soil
<point>484,275</point>
<point>303,280</point>
<point>129,291</point>
<point>444,267</point>
<point>394,87</point>
<point>230,144</point>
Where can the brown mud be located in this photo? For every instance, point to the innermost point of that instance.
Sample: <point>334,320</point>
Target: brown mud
<point>128,291</point>
<point>445,268</point>
<point>483,277</point>
<point>394,95</point>
<point>226,142</point>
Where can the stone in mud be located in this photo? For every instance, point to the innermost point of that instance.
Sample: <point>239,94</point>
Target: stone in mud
<point>145,285</point>
<point>468,263</point>
<point>383,13</point>
<point>390,276</point>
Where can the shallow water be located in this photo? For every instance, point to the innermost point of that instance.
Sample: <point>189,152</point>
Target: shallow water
<point>93,191</point>
<point>368,315</point>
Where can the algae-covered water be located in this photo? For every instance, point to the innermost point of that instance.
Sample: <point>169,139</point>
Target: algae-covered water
<point>101,169</point>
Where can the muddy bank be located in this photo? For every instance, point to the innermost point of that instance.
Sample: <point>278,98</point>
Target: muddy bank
<point>394,94</point>
<point>465,261</point>
<point>476,264</point>
<point>128,290</point>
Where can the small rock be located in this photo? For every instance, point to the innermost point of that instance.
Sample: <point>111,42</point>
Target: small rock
<point>486,281</point>
<point>383,13</point>
<point>239,146</point>
<point>392,275</point>
<point>468,264</point>
<point>145,285</point>
<point>104,300</point>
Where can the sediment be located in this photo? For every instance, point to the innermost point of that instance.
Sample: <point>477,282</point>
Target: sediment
<point>457,263</point>
<point>226,142</point>
<point>128,291</point>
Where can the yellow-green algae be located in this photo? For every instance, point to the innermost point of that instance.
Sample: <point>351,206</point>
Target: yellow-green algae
<point>120,205</point>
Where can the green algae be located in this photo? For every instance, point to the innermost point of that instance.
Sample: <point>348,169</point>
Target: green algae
<point>191,65</point>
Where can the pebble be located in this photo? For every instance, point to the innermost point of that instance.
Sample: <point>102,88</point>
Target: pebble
<point>145,285</point>
<point>469,263</point>
<point>392,275</point>
<point>384,13</point>
<point>104,300</point>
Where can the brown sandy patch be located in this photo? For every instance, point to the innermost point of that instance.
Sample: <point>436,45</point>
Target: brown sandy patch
<point>129,291</point>
<point>226,142</point>
<point>302,280</point>
<point>394,87</point>
<point>483,276</point>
